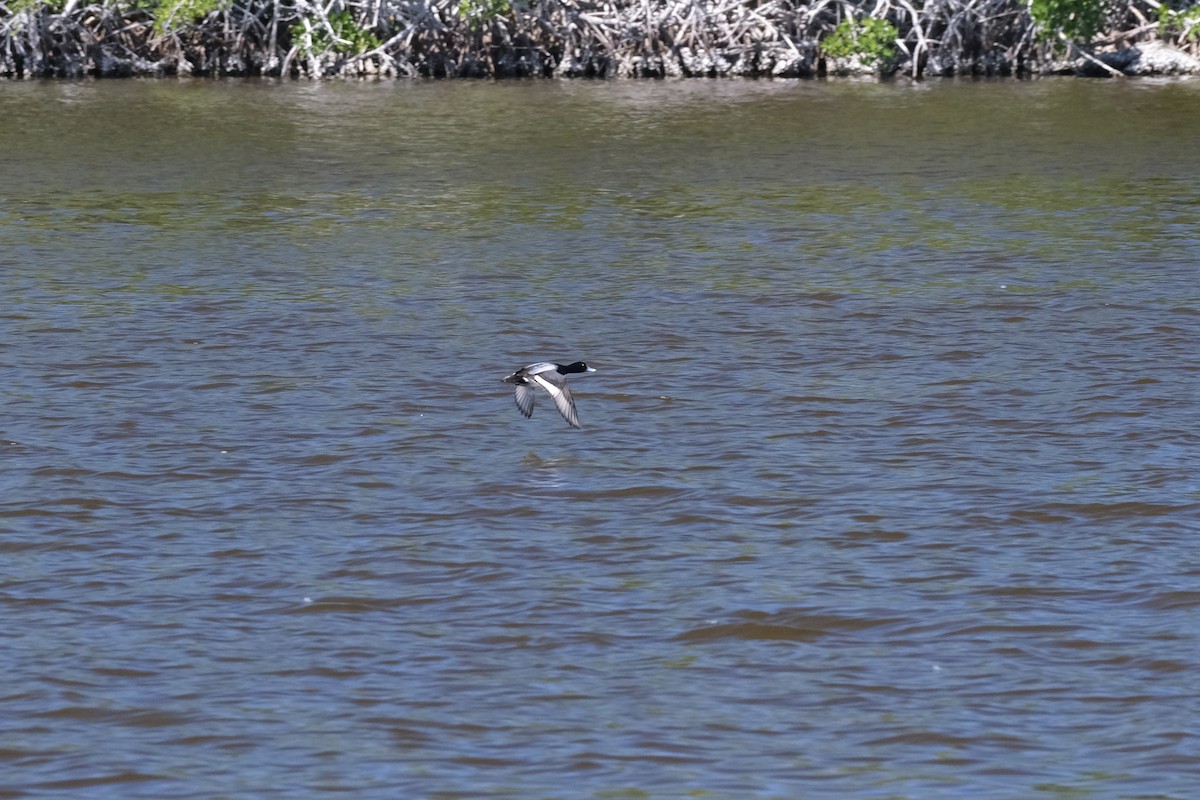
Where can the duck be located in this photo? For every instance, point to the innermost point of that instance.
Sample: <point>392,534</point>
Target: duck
<point>552,378</point>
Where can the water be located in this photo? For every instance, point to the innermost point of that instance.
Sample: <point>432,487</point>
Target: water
<point>887,487</point>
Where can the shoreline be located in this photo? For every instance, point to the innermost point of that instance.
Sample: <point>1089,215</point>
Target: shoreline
<point>568,39</point>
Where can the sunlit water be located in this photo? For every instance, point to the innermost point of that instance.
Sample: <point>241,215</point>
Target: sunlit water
<point>887,486</point>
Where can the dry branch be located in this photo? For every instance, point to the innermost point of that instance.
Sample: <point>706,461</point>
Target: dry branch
<point>501,38</point>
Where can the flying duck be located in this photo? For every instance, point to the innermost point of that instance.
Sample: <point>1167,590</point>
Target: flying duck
<point>552,378</point>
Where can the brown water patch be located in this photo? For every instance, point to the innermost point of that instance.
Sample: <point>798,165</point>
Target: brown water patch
<point>1173,600</point>
<point>127,776</point>
<point>866,538</point>
<point>751,630</point>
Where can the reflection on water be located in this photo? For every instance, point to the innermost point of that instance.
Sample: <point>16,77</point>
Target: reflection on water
<point>885,489</point>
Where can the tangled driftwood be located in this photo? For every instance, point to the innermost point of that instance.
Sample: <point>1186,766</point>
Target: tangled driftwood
<point>467,38</point>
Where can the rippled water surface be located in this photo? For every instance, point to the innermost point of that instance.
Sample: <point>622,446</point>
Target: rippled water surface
<point>887,486</point>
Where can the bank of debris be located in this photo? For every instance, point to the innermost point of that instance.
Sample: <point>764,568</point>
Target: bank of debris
<point>575,38</point>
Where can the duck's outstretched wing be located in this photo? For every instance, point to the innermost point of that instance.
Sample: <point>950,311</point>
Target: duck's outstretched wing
<point>560,393</point>
<point>524,395</point>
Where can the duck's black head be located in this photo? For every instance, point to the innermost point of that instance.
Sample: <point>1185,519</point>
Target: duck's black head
<point>578,366</point>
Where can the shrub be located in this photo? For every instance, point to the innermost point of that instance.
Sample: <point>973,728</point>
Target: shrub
<point>1077,20</point>
<point>1183,24</point>
<point>483,12</point>
<point>348,38</point>
<point>173,12</point>
<point>873,40</point>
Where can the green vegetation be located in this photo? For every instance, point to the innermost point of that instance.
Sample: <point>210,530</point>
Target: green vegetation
<point>171,13</point>
<point>1183,25</point>
<point>17,6</point>
<point>341,35</point>
<point>1077,20</point>
<point>484,11</point>
<point>873,40</point>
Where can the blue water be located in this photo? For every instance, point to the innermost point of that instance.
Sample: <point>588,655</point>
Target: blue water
<point>886,486</point>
